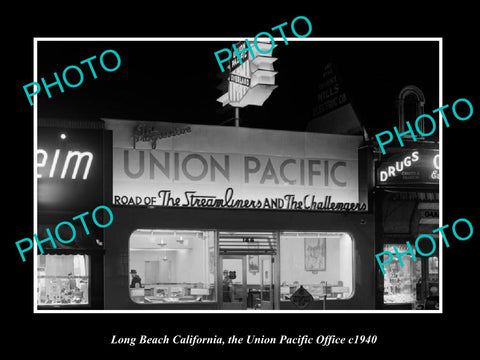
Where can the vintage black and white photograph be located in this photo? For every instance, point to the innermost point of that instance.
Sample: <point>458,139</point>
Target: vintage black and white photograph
<point>206,178</point>
<point>296,181</point>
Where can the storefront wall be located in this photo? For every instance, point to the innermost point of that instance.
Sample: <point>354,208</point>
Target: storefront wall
<point>70,181</point>
<point>406,206</point>
<point>402,216</point>
<point>360,227</point>
<point>174,184</point>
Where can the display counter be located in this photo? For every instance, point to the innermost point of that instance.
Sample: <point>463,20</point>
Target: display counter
<point>318,292</point>
<point>62,290</point>
<point>171,293</point>
<point>62,280</point>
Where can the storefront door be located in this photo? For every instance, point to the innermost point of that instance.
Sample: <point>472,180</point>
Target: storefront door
<point>266,282</point>
<point>234,282</point>
<point>247,282</point>
<point>246,270</point>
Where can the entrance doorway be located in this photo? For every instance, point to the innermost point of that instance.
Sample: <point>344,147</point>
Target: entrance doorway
<point>247,271</point>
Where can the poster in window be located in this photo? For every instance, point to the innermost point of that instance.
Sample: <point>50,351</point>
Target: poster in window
<point>253,263</point>
<point>315,254</point>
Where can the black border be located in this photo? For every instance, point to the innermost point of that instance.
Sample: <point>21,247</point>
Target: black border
<point>410,335</point>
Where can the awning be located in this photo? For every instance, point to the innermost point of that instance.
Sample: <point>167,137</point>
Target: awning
<point>82,242</point>
<point>410,214</point>
<point>247,243</point>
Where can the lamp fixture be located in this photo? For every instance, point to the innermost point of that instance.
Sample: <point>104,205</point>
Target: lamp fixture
<point>162,243</point>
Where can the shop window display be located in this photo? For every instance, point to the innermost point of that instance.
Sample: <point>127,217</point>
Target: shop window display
<point>433,269</point>
<point>62,279</point>
<point>400,282</point>
<point>321,262</point>
<point>171,266</point>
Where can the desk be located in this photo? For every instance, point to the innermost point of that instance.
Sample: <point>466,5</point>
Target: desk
<point>164,299</point>
<point>171,293</point>
<point>254,296</point>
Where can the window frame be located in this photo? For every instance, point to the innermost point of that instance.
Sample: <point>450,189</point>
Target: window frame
<point>354,263</point>
<point>88,305</point>
<point>387,246</point>
<point>215,261</point>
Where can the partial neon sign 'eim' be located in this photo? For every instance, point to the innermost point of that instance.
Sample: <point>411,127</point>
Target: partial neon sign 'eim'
<point>60,164</point>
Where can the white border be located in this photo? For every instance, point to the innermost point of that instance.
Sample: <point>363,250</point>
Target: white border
<point>245,312</point>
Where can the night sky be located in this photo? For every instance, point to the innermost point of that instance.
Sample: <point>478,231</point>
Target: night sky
<point>177,81</point>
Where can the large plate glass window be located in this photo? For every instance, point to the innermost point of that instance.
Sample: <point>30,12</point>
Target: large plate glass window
<point>400,282</point>
<point>321,262</point>
<point>172,266</point>
<point>63,279</point>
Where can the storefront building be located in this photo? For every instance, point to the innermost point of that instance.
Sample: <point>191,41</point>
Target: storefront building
<point>70,181</point>
<point>406,206</point>
<point>232,218</point>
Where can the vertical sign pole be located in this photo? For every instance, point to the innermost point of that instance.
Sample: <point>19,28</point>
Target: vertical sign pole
<point>237,117</point>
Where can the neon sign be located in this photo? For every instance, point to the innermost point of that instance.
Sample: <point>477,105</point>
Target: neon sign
<point>418,166</point>
<point>399,166</point>
<point>61,164</point>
